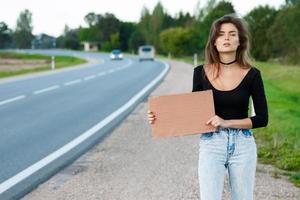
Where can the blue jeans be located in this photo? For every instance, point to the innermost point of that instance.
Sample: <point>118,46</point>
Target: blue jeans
<point>227,149</point>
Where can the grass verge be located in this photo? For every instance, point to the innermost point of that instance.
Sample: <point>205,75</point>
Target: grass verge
<point>60,62</point>
<point>279,143</point>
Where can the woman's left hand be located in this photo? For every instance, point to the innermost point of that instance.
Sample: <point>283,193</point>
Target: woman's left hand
<point>217,121</point>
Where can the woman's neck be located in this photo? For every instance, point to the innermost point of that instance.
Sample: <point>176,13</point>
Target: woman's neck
<point>227,58</point>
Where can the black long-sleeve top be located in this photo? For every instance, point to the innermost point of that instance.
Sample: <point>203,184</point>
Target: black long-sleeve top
<point>234,104</point>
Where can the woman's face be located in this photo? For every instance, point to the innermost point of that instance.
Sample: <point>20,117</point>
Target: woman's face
<point>228,38</point>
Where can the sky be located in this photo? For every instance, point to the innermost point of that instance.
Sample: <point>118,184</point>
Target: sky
<point>51,16</point>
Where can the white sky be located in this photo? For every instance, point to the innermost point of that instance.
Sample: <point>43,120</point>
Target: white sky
<point>51,16</point>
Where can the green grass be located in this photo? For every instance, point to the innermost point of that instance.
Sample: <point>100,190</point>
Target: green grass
<point>6,54</point>
<point>279,143</point>
<point>61,61</point>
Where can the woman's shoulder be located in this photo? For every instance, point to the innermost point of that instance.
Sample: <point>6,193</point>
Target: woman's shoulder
<point>204,69</point>
<point>254,74</point>
<point>199,67</point>
<point>254,71</point>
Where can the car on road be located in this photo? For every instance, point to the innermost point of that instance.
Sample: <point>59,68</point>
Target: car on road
<point>146,52</point>
<point>116,54</point>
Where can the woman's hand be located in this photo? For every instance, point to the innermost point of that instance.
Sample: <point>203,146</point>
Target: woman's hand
<point>217,121</point>
<point>151,117</point>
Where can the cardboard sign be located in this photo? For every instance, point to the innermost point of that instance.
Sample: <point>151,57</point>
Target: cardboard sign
<point>182,114</point>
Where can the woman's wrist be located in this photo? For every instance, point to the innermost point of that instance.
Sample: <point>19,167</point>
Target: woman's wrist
<point>238,123</point>
<point>227,123</point>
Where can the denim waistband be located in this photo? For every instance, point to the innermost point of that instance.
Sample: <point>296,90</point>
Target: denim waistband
<point>229,132</point>
<point>234,131</point>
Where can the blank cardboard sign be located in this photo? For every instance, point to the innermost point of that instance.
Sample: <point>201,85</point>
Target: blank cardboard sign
<point>182,114</point>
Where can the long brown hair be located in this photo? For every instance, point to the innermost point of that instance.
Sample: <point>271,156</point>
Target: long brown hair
<point>242,54</point>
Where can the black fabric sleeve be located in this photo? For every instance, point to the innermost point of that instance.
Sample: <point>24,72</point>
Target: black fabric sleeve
<point>198,79</point>
<point>259,101</point>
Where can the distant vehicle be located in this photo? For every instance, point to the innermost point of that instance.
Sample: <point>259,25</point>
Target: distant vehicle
<point>116,54</point>
<point>146,52</point>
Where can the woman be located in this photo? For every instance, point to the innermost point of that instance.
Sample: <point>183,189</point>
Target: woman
<point>233,80</point>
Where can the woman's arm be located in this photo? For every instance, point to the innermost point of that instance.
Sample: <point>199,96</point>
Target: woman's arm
<point>217,121</point>
<point>259,101</point>
<point>239,123</point>
<point>198,79</point>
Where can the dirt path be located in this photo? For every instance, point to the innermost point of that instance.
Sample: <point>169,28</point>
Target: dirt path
<point>129,165</point>
<point>7,64</point>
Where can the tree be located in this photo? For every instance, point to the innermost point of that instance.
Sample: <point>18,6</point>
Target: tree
<point>184,20</point>
<point>285,31</point>
<point>101,28</point>
<point>178,41</point>
<point>151,25</point>
<point>291,2</point>
<point>221,9</point>
<point>145,26</point>
<point>115,40</point>
<point>157,21</point>
<point>126,30</point>
<point>136,39</point>
<point>91,19</point>
<point>5,36</point>
<point>168,21</point>
<point>107,24</point>
<point>70,39</point>
<point>260,19</point>
<point>91,34</point>
<point>23,33</point>
<point>113,43</point>
<point>157,18</point>
<point>200,13</point>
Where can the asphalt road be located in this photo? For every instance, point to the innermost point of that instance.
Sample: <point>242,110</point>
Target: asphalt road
<point>49,120</point>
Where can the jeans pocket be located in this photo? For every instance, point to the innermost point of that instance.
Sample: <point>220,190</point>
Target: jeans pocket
<point>247,133</point>
<point>207,136</point>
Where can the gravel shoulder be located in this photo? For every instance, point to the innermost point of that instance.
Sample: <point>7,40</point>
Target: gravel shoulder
<point>129,164</point>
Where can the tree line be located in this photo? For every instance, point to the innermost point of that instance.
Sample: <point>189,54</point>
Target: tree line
<point>274,33</point>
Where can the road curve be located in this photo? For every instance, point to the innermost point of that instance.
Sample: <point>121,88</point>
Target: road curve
<point>48,120</point>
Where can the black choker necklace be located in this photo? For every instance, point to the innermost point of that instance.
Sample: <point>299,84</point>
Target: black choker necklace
<point>228,63</point>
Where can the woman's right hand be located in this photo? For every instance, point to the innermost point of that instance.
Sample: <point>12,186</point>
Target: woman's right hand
<point>151,117</point>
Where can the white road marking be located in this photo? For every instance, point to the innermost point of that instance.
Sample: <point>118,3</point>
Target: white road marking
<point>66,84</point>
<point>4,186</point>
<point>72,82</point>
<point>12,99</point>
<point>115,69</point>
<point>46,89</point>
<point>89,77</point>
<point>101,74</point>
<point>129,63</point>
